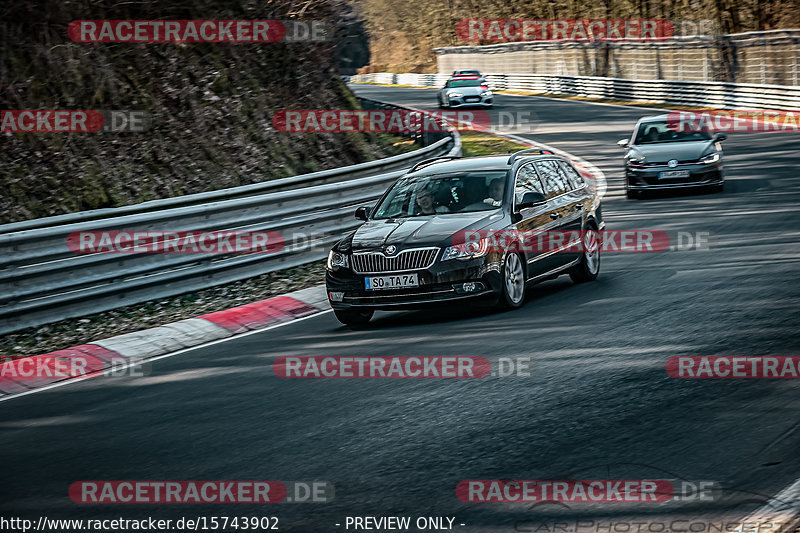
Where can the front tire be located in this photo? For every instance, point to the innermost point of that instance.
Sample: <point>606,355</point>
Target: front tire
<point>353,317</point>
<point>588,268</point>
<point>512,291</point>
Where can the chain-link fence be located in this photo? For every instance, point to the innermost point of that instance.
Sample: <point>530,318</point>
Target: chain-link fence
<point>767,57</point>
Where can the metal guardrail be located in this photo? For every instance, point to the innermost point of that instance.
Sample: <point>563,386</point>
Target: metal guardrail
<point>689,93</point>
<point>42,281</point>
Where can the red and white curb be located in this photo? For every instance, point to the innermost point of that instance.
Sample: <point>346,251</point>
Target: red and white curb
<point>21,376</point>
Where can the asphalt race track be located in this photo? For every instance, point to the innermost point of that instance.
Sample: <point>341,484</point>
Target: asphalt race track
<point>598,405</point>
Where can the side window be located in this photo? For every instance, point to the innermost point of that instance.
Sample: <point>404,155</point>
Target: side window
<point>527,180</point>
<point>555,182</point>
<point>572,175</point>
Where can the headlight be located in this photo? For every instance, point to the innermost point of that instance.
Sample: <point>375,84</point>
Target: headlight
<point>710,158</point>
<point>468,250</point>
<point>455,95</point>
<point>637,159</point>
<point>486,93</point>
<point>337,260</point>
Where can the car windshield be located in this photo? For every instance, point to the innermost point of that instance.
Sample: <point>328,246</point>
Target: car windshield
<point>466,72</point>
<point>465,83</point>
<point>444,193</point>
<point>660,132</point>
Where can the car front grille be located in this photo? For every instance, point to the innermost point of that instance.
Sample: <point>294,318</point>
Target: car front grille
<point>376,262</point>
<point>664,163</point>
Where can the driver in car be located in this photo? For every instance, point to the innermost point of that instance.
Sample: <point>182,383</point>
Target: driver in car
<point>496,189</point>
<point>425,204</point>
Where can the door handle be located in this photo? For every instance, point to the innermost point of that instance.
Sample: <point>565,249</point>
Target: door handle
<point>555,215</point>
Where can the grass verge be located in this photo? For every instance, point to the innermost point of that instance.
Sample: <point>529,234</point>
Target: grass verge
<point>475,143</point>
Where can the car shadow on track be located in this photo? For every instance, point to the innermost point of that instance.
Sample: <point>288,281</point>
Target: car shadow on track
<point>467,311</point>
<point>680,193</point>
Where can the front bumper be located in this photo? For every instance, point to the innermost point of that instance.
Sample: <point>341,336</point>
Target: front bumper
<point>439,284</point>
<point>647,178</point>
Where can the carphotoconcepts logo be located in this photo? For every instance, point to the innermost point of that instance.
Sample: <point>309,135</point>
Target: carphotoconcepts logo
<point>674,524</point>
<point>512,30</point>
<point>203,492</point>
<point>734,367</point>
<point>175,242</point>
<point>198,31</point>
<point>399,367</point>
<point>735,120</point>
<point>565,491</point>
<point>73,121</point>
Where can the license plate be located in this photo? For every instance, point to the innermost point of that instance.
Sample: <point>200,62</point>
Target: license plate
<point>399,281</point>
<point>472,99</point>
<point>669,174</point>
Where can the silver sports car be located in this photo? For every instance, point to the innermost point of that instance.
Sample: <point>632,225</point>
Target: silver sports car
<point>465,91</point>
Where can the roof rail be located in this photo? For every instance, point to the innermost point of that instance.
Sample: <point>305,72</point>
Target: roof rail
<point>426,162</point>
<point>515,155</point>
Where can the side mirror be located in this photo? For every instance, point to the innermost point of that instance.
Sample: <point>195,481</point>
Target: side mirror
<point>531,199</point>
<point>362,212</point>
<point>622,143</point>
<point>720,137</point>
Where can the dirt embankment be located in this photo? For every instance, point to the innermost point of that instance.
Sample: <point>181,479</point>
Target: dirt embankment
<point>211,106</point>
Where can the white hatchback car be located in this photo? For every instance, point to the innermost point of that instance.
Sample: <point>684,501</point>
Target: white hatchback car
<point>465,91</point>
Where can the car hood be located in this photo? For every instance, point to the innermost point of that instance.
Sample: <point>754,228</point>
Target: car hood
<point>412,232</point>
<point>682,151</point>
